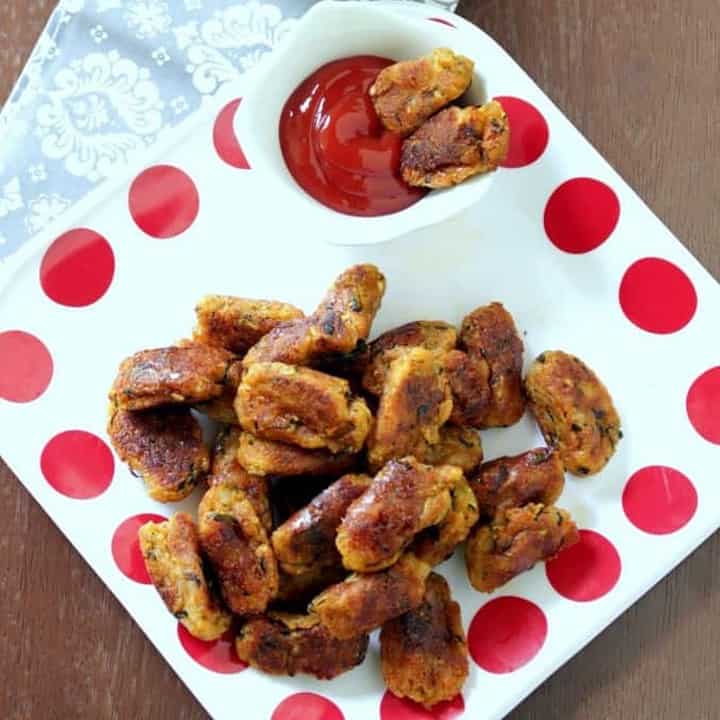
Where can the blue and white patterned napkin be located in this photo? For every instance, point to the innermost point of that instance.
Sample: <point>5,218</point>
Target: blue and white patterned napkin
<point>106,80</point>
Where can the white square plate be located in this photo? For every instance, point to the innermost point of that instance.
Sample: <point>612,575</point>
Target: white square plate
<point>647,326</point>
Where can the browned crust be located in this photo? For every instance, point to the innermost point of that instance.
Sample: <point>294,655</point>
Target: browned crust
<point>489,333</point>
<point>424,653</point>
<point>340,322</point>
<point>301,406</point>
<point>307,539</point>
<point>362,603</point>
<point>237,546</point>
<point>429,334</point>
<point>415,403</point>
<point>455,145</point>
<point>236,324</point>
<point>407,93</point>
<point>469,379</point>
<point>535,476</point>
<point>269,458</point>
<point>514,542</point>
<point>457,446</point>
<point>189,373</point>
<point>285,644</point>
<point>404,498</point>
<point>163,446</point>
<point>574,411</point>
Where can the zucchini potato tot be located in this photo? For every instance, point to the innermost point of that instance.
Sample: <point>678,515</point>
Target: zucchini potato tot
<point>306,541</point>
<point>407,93</point>
<point>288,643</point>
<point>535,476</point>
<point>188,373</point>
<point>415,403</point>
<point>339,323</point>
<point>303,407</point>
<point>489,333</point>
<point>172,558</point>
<point>236,324</point>
<point>237,547</point>
<point>515,540</point>
<point>424,653</point>
<point>469,378</point>
<point>404,498</point>
<point>270,458</point>
<point>455,145</point>
<point>363,602</point>
<point>226,470</point>
<point>428,334</point>
<point>574,411</point>
<point>163,446</point>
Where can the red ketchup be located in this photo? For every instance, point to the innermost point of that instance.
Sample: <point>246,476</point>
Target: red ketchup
<point>335,146</point>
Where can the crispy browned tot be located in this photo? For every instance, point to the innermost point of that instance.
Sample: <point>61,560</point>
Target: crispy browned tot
<point>455,145</point>
<point>267,457</point>
<point>237,546</point>
<point>362,603</point>
<point>226,470</point>
<point>407,93</point>
<point>437,543</point>
<point>404,498</point>
<point>163,446</point>
<point>302,407</point>
<point>342,319</point>
<point>535,476</point>
<point>172,558</point>
<point>415,403</point>
<point>469,378</point>
<point>307,539</point>
<point>514,542</point>
<point>432,335</point>
<point>236,324</point>
<point>489,332</point>
<point>189,373</point>
<point>424,653</point>
<point>457,446</point>
<point>288,644</point>
<point>574,411</point>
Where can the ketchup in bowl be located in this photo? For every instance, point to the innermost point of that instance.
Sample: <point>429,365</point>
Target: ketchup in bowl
<point>335,146</point>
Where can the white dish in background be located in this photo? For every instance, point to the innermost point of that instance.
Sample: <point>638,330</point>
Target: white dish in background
<point>246,242</point>
<point>330,31</point>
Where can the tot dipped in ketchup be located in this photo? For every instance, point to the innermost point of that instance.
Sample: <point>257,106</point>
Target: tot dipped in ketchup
<point>335,146</point>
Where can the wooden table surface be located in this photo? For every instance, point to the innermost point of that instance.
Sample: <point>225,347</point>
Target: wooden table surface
<point>639,78</point>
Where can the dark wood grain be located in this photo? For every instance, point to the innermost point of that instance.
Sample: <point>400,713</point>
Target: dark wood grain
<point>639,78</point>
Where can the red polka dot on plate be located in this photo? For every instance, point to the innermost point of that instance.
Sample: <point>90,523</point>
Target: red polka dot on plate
<point>581,214</point>
<point>26,367</point>
<point>217,655</point>
<point>77,464</point>
<point>506,634</point>
<point>307,706</point>
<point>657,296</point>
<point>529,133</point>
<point>125,547</point>
<point>395,708</point>
<point>442,21</point>
<point>585,571</point>
<point>659,499</point>
<point>77,268</point>
<point>703,405</point>
<point>225,139</point>
<point>163,201</point>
